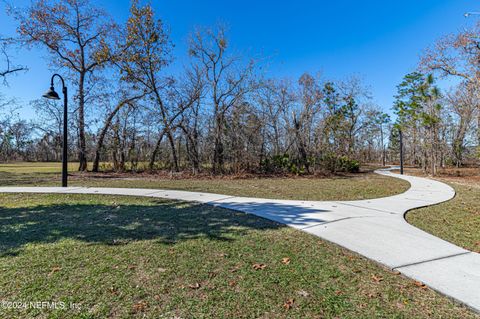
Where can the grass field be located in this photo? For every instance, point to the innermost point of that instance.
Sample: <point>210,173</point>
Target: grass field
<point>128,257</point>
<point>458,220</point>
<point>347,187</point>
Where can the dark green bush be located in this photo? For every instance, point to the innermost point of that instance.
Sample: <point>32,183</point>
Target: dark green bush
<point>282,164</point>
<point>329,162</point>
<point>334,163</point>
<point>349,165</point>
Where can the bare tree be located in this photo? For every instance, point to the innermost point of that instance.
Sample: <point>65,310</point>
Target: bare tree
<point>305,116</point>
<point>124,101</point>
<point>457,55</point>
<point>355,98</point>
<point>275,99</point>
<point>227,82</point>
<point>462,102</point>
<point>49,121</point>
<point>8,67</point>
<point>189,96</point>
<point>78,37</point>
<point>147,53</point>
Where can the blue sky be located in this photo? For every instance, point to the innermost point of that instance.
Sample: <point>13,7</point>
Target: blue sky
<point>380,41</point>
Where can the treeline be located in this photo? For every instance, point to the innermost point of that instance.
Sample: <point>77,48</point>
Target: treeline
<point>220,113</point>
<point>300,127</point>
<point>437,127</point>
<point>441,127</point>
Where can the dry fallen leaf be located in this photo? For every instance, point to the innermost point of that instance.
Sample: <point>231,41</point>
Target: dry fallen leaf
<point>232,283</point>
<point>377,278</point>
<point>420,284</point>
<point>54,270</point>
<point>396,272</point>
<point>371,295</point>
<point>194,286</point>
<point>235,269</point>
<point>259,266</point>
<point>285,260</point>
<point>140,306</point>
<point>289,304</point>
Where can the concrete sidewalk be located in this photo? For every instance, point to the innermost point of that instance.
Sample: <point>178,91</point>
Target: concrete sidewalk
<point>373,228</point>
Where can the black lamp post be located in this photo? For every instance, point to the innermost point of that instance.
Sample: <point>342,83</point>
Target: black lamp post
<point>51,94</point>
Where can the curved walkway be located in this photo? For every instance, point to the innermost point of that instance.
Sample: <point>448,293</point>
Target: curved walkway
<point>373,228</point>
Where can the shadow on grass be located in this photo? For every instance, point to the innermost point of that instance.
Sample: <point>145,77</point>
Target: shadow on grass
<point>27,179</point>
<point>165,222</point>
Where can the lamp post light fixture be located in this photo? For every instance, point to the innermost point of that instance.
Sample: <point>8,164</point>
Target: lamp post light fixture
<point>52,95</point>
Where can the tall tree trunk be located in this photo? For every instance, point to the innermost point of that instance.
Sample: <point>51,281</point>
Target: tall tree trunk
<point>277,139</point>
<point>101,138</point>
<point>458,142</point>
<point>478,126</point>
<point>301,144</point>
<point>132,152</point>
<point>168,130</point>
<point>433,158</point>
<point>414,145</point>
<point>384,154</point>
<point>116,145</point>
<point>218,159</point>
<point>82,158</point>
<point>174,150</point>
<point>123,144</point>
<point>154,154</point>
<point>191,145</point>
<point>478,129</point>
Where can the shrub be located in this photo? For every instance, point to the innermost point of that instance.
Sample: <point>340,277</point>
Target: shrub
<point>334,163</point>
<point>106,167</point>
<point>329,162</point>
<point>282,164</point>
<point>349,165</point>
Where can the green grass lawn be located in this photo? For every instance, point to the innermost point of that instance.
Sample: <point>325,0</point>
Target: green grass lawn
<point>128,257</point>
<point>348,187</point>
<point>458,220</point>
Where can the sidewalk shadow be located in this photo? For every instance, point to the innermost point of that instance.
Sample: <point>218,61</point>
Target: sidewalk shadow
<point>296,215</point>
